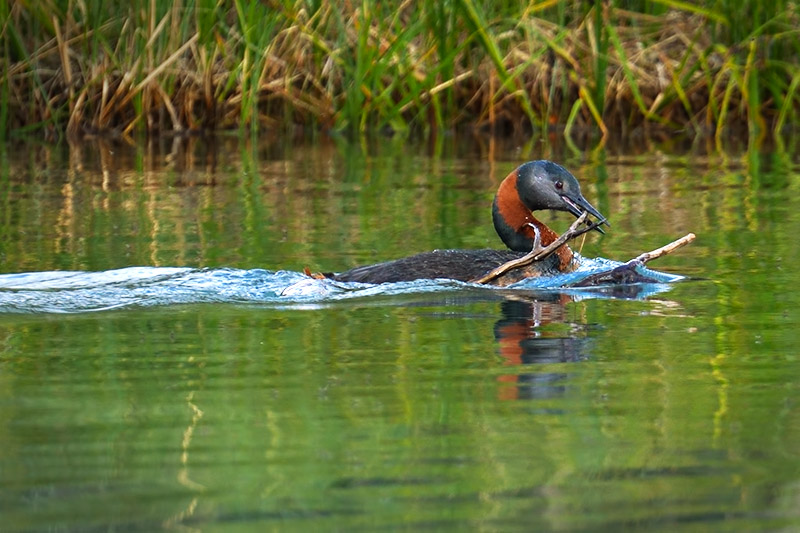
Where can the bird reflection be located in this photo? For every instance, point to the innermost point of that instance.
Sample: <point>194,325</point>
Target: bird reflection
<point>522,341</point>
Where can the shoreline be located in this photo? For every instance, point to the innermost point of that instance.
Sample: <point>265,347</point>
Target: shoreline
<point>157,67</point>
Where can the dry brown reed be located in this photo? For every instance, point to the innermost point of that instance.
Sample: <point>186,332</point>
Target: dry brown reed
<point>399,66</point>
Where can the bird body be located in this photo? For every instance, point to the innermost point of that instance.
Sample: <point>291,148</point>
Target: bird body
<point>533,186</point>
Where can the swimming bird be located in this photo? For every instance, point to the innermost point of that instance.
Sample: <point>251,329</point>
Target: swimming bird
<point>533,186</point>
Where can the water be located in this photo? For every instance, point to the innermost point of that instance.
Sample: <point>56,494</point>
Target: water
<point>154,374</point>
<point>78,292</point>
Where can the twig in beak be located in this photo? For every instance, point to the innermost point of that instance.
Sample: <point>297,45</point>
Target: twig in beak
<point>538,253</point>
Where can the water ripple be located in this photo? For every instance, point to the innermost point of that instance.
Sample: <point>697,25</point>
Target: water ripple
<point>76,292</point>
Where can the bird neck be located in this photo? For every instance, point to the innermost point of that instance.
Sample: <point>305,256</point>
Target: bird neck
<point>513,220</point>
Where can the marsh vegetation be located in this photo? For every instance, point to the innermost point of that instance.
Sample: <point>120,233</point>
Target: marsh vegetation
<point>76,67</point>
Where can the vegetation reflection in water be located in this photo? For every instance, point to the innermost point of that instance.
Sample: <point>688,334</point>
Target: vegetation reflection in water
<point>450,410</point>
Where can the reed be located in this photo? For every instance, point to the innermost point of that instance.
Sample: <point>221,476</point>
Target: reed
<point>90,67</point>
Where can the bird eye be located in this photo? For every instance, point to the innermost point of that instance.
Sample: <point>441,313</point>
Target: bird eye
<point>559,185</point>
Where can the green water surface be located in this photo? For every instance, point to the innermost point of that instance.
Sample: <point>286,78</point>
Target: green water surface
<point>451,411</point>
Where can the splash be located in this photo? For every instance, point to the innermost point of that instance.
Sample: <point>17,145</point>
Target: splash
<point>80,292</point>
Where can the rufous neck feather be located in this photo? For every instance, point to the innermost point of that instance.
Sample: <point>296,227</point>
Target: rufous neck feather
<point>513,220</point>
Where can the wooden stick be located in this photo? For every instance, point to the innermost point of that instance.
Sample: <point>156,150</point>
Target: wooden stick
<point>626,272</point>
<point>664,250</point>
<point>538,253</point>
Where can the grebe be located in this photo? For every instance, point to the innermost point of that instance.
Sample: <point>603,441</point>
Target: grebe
<point>532,186</point>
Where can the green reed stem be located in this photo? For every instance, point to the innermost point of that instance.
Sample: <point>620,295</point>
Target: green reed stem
<point>157,65</point>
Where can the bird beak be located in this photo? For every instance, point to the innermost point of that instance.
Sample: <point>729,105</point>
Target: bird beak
<point>578,205</point>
